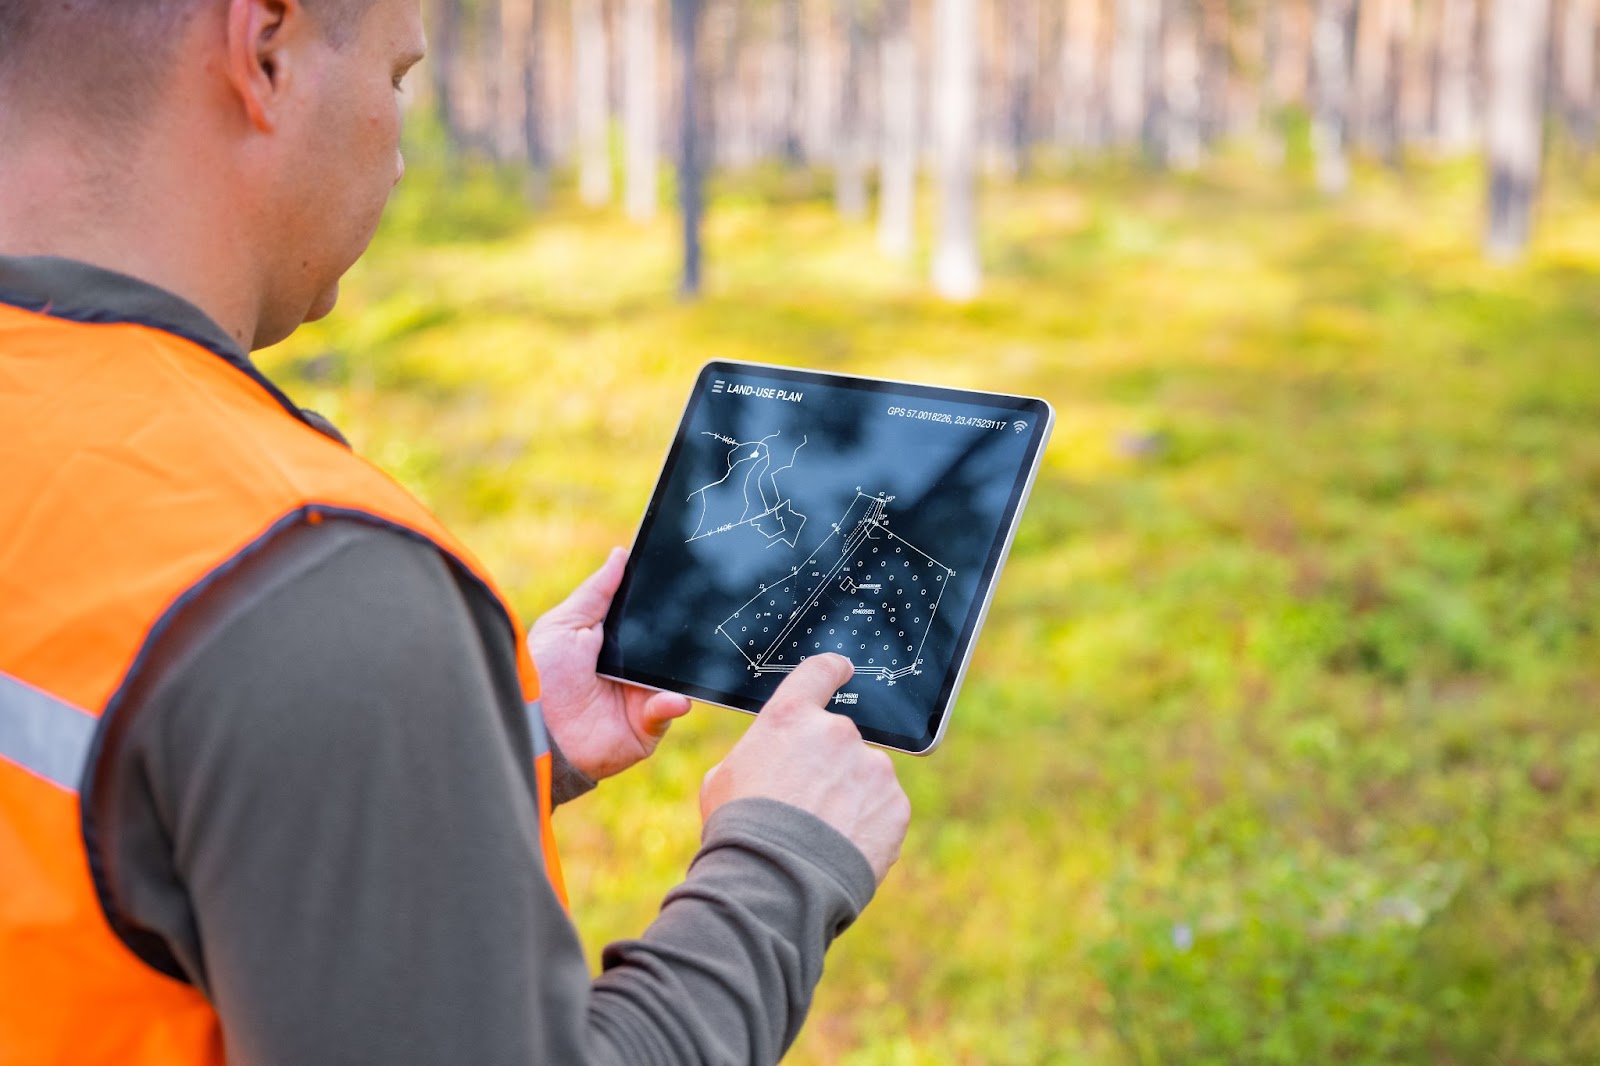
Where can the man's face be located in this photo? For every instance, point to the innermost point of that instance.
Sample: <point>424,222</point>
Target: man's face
<point>343,161</point>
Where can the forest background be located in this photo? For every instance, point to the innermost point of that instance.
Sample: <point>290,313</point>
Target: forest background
<point>1280,744</point>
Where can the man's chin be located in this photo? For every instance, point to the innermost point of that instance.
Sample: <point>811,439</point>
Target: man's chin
<point>322,307</point>
<point>273,328</point>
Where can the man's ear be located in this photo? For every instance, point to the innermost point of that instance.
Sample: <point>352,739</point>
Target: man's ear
<point>262,35</point>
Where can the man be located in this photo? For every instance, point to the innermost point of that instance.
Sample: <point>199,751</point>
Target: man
<point>276,769</point>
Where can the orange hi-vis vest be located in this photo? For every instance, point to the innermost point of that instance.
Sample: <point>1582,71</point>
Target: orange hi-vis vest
<point>135,467</point>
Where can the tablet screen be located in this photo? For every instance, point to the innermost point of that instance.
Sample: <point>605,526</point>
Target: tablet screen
<point>800,513</point>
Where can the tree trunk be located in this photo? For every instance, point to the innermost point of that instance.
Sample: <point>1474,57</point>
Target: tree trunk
<point>1418,117</point>
<point>1518,38</point>
<point>510,38</point>
<point>691,177</point>
<point>1180,137</point>
<point>1021,51</point>
<point>520,25</point>
<point>956,275</point>
<point>1333,38</point>
<point>850,162</point>
<point>1393,37</point>
<point>1216,70</point>
<point>821,81</point>
<point>1135,26</point>
<point>1080,104</point>
<point>639,107</point>
<point>792,48</point>
<point>488,72</point>
<point>590,86</point>
<point>1369,68</point>
<point>897,176</point>
<point>1458,98</point>
<point>443,60</point>
<point>730,131</point>
<point>1578,72</point>
<point>1291,72</point>
<point>1153,130</point>
<point>1274,43</point>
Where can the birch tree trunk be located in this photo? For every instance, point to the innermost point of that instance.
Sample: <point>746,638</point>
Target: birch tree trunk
<point>1457,104</point>
<point>1518,38</point>
<point>691,176</point>
<point>850,163</point>
<point>1333,38</point>
<point>956,275</point>
<point>1578,72</point>
<point>897,174</point>
<point>590,84</point>
<point>639,108</point>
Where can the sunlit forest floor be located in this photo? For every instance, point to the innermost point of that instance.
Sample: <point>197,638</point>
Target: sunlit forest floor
<point>1281,744</point>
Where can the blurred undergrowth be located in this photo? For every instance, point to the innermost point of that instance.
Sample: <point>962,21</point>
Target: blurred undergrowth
<point>1281,742</point>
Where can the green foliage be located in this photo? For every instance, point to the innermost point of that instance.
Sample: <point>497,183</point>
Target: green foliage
<point>1280,741</point>
<point>1297,961</point>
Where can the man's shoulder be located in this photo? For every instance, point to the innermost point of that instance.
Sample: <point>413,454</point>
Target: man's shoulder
<point>304,572</point>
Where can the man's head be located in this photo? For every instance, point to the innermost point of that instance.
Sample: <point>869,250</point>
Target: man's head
<point>264,132</point>
<point>105,62</point>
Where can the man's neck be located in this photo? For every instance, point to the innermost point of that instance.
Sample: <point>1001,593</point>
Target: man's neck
<point>54,200</point>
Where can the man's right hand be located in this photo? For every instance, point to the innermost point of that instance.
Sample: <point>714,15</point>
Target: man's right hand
<point>800,753</point>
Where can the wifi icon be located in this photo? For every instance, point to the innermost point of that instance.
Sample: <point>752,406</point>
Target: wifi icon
<point>1019,425</point>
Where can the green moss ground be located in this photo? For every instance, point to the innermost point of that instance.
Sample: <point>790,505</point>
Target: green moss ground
<point>1281,744</point>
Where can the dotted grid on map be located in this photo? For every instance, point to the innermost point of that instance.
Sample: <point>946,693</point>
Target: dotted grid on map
<point>865,593</point>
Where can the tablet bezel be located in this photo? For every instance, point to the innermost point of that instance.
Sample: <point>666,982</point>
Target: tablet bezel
<point>1041,422</point>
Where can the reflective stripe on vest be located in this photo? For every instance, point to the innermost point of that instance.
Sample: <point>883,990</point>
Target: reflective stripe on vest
<point>43,735</point>
<point>541,736</point>
<point>51,738</point>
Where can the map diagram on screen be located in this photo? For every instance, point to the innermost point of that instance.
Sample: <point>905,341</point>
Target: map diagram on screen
<point>748,495</point>
<point>865,593</point>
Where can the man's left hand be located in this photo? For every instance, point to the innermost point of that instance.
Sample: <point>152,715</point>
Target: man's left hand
<point>601,726</point>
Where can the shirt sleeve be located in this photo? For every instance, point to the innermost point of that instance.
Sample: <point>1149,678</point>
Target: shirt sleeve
<point>318,806</point>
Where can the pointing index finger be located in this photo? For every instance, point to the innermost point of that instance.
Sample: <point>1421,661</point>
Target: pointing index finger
<point>814,681</point>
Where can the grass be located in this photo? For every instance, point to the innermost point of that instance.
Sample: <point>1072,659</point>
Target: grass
<point>1280,742</point>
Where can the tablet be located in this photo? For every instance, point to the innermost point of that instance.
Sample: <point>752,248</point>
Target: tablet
<point>802,512</point>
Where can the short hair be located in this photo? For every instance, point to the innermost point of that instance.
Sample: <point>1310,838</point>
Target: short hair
<point>105,61</point>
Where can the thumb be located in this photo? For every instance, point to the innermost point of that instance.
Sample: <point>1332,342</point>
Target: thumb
<point>709,792</point>
<point>588,603</point>
<point>660,710</point>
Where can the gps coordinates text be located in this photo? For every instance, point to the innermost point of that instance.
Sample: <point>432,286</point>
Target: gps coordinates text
<point>948,419</point>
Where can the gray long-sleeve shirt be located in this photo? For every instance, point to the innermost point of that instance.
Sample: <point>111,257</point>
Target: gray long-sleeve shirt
<point>318,806</point>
